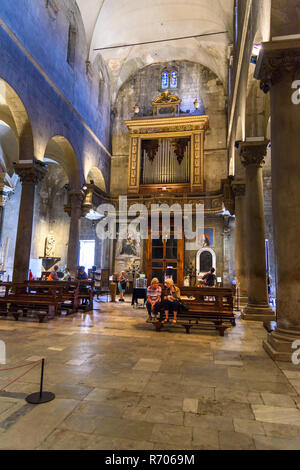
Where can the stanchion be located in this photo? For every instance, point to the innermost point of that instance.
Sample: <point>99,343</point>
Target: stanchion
<point>40,397</point>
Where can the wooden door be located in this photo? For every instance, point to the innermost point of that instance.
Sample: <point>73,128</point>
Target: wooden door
<point>165,257</point>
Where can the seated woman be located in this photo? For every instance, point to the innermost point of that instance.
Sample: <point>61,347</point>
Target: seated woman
<point>153,299</point>
<point>171,300</point>
<point>53,275</point>
<point>67,275</point>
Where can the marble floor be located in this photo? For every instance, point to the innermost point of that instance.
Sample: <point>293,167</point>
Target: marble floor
<point>121,385</point>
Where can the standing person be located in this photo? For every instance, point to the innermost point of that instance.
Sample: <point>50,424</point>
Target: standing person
<point>122,281</point>
<point>210,278</point>
<point>53,275</point>
<point>172,300</point>
<point>153,299</point>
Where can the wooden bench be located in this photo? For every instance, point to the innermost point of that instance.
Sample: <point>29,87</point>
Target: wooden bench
<point>69,292</point>
<point>208,308</point>
<point>19,299</point>
<point>86,294</point>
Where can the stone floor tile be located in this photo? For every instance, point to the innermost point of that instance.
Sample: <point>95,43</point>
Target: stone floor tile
<point>235,441</point>
<point>272,414</point>
<point>251,428</point>
<point>276,443</point>
<point>204,440</point>
<point>219,423</point>
<point>44,418</point>
<point>123,428</point>
<point>272,399</point>
<point>153,414</point>
<point>171,435</point>
<point>281,430</point>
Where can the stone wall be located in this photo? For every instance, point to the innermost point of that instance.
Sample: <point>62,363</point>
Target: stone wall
<point>60,99</point>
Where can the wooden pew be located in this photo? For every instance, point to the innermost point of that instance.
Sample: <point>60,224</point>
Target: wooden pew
<point>86,294</point>
<point>19,298</point>
<point>208,308</point>
<point>69,293</point>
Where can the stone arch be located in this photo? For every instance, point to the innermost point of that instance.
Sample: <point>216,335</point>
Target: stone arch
<point>14,114</point>
<point>61,150</point>
<point>97,177</point>
<point>198,259</point>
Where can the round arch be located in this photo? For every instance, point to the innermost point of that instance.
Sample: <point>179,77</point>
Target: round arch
<point>60,150</point>
<point>198,260</point>
<point>96,176</point>
<point>14,114</point>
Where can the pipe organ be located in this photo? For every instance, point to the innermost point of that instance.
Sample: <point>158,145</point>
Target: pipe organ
<point>167,150</point>
<point>169,164</point>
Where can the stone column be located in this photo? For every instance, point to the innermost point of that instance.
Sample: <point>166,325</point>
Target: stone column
<point>75,211</point>
<point>278,68</point>
<point>257,308</point>
<point>241,265</point>
<point>30,175</point>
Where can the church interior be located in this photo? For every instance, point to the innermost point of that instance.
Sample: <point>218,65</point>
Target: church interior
<point>125,108</point>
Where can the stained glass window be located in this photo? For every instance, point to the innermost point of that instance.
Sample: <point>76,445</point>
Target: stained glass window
<point>174,79</point>
<point>165,80</point>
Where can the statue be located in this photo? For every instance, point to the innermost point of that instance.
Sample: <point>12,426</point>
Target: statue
<point>50,245</point>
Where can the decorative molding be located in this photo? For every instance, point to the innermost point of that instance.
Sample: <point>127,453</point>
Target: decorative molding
<point>253,153</point>
<point>30,173</point>
<point>276,59</point>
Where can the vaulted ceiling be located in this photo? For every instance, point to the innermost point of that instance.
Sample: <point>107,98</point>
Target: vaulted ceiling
<point>115,22</point>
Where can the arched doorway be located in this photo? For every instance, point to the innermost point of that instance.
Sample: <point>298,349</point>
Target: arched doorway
<point>206,259</point>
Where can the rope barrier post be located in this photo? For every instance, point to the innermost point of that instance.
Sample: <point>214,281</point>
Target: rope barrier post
<point>40,397</point>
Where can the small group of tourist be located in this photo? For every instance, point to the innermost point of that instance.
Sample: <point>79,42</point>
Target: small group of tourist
<point>167,301</point>
<point>80,276</point>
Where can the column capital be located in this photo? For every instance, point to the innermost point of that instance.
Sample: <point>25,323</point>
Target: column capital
<point>277,58</point>
<point>30,172</point>
<point>75,201</point>
<point>253,152</point>
<point>239,188</point>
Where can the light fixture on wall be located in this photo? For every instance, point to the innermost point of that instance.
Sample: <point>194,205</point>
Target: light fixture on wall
<point>255,53</point>
<point>196,104</point>
<point>136,109</point>
<point>84,187</point>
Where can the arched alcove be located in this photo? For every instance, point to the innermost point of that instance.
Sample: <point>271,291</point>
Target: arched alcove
<point>96,177</point>
<point>205,260</point>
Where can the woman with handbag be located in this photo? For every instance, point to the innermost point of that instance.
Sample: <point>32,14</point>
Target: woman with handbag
<point>171,300</point>
<point>122,286</point>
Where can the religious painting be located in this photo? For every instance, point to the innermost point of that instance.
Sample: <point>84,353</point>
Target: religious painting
<point>129,247</point>
<point>206,238</point>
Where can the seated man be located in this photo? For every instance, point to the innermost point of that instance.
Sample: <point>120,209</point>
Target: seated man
<point>154,299</point>
<point>53,275</point>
